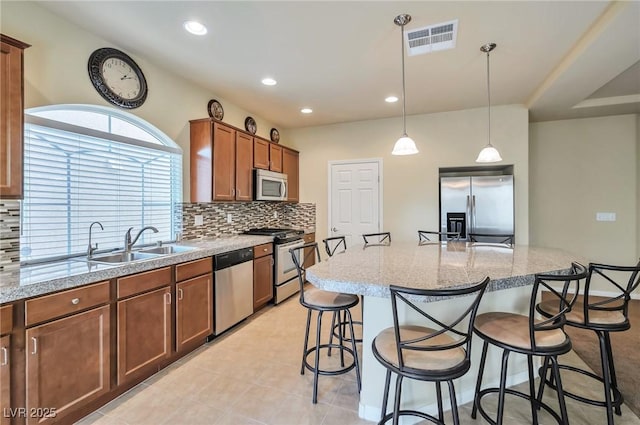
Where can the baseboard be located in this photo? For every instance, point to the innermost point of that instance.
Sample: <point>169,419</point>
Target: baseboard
<point>372,413</point>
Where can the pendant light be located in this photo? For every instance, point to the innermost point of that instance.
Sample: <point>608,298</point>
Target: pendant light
<point>404,145</point>
<point>489,153</point>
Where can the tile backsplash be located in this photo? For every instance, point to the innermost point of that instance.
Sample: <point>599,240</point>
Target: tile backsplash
<point>9,234</point>
<point>244,216</point>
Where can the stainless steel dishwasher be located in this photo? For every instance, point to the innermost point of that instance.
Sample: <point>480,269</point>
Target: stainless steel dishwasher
<point>233,288</point>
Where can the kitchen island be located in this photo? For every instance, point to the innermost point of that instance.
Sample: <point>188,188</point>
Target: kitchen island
<point>369,270</point>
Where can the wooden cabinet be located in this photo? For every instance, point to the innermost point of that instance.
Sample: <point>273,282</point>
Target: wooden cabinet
<point>221,163</point>
<point>244,167</point>
<point>290,168</point>
<point>6,326</point>
<point>262,275</point>
<point>11,116</point>
<point>275,157</point>
<point>67,363</point>
<point>144,323</point>
<point>261,153</point>
<point>309,255</point>
<point>194,305</point>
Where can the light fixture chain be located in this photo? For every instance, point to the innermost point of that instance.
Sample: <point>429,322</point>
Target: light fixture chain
<point>489,96</point>
<point>404,115</point>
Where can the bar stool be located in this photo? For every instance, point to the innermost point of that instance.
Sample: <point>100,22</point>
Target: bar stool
<point>324,301</point>
<point>383,238</point>
<point>331,246</point>
<point>426,235</point>
<point>601,315</point>
<point>438,350</point>
<point>530,336</point>
<point>501,238</point>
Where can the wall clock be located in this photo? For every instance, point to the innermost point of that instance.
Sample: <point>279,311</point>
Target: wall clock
<point>117,78</point>
<point>250,125</point>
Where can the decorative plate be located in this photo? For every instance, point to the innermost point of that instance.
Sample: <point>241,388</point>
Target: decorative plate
<point>250,125</point>
<point>215,109</point>
<point>275,135</point>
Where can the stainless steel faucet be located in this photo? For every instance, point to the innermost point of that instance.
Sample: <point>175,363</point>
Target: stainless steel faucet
<point>90,247</point>
<point>128,243</point>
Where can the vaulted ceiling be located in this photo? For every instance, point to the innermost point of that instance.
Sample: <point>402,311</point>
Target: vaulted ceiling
<point>562,59</point>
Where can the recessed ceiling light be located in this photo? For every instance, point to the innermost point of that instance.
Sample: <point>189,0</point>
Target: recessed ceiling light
<point>306,110</point>
<point>391,99</point>
<point>195,28</point>
<point>269,81</point>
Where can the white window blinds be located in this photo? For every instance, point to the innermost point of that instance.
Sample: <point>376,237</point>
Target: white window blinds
<point>75,175</point>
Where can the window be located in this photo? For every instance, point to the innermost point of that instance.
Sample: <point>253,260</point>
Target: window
<point>88,163</point>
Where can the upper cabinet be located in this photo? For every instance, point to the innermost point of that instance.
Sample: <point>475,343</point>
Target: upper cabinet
<point>11,117</point>
<point>223,158</point>
<point>221,163</point>
<point>290,167</point>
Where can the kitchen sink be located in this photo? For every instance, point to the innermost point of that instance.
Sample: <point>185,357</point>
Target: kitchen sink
<point>122,257</point>
<point>166,249</point>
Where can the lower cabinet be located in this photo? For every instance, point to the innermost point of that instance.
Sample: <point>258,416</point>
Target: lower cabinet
<point>144,333</point>
<point>194,310</point>
<point>5,379</point>
<point>262,275</point>
<point>67,364</point>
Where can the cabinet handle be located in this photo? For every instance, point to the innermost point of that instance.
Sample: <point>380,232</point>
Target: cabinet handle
<point>180,294</point>
<point>168,297</point>
<point>237,192</point>
<point>35,345</point>
<point>272,262</point>
<point>233,192</point>
<point>75,301</point>
<point>5,356</point>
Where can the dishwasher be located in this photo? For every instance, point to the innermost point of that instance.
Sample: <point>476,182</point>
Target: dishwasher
<point>233,295</point>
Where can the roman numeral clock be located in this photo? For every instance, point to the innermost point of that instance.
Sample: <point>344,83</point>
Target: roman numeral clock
<point>117,78</point>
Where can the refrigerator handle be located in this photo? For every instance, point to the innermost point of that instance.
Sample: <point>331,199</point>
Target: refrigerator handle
<point>469,212</point>
<point>473,212</point>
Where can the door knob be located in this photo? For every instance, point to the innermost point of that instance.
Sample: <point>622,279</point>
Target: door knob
<point>333,229</point>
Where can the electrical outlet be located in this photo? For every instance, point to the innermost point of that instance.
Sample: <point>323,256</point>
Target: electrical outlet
<point>606,216</point>
<point>198,220</point>
<point>229,218</point>
<point>275,214</point>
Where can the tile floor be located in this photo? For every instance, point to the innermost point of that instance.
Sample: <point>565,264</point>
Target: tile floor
<point>251,376</point>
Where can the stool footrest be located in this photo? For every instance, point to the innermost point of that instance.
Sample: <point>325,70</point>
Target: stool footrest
<point>340,371</point>
<point>336,333</point>
<point>509,391</point>
<point>616,401</point>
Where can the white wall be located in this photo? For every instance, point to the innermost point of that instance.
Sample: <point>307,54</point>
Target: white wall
<point>410,183</point>
<point>638,185</point>
<point>56,73</point>
<point>578,168</point>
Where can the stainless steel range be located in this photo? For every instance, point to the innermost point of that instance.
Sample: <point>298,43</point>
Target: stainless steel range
<point>285,274</point>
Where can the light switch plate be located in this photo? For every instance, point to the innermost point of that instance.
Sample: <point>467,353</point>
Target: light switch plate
<point>606,216</point>
<point>198,220</point>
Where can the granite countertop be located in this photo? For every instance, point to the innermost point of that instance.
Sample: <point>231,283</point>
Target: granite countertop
<point>370,270</point>
<point>41,279</point>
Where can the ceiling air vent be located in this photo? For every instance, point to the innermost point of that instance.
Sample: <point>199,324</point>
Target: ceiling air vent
<point>432,38</point>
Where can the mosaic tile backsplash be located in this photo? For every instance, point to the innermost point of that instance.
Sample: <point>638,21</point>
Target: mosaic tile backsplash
<point>244,216</point>
<point>9,234</point>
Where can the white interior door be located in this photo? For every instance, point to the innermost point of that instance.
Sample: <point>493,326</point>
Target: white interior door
<point>354,199</point>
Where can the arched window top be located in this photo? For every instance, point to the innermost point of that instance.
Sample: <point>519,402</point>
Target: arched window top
<point>104,119</point>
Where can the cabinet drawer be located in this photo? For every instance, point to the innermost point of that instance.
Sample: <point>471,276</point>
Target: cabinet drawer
<point>6,319</point>
<point>51,306</point>
<point>262,250</point>
<point>309,237</point>
<point>195,268</point>
<point>141,282</point>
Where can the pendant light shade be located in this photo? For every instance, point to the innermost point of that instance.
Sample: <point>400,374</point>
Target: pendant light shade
<point>489,153</point>
<point>405,145</point>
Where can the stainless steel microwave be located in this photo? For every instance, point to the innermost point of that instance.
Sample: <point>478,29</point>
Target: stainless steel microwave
<point>270,186</point>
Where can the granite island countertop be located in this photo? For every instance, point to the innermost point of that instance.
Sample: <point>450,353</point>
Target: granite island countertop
<point>41,279</point>
<point>369,270</point>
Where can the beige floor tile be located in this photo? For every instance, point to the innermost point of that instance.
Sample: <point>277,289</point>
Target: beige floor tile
<point>98,418</point>
<point>235,419</point>
<point>194,413</point>
<point>259,403</point>
<point>295,410</point>
<point>338,415</point>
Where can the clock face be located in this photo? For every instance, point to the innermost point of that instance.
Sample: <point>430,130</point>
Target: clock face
<point>117,78</point>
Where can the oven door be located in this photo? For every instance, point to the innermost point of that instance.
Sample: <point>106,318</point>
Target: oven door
<point>285,268</point>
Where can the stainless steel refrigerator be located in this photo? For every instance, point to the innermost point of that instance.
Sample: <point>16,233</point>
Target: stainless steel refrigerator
<point>477,204</point>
